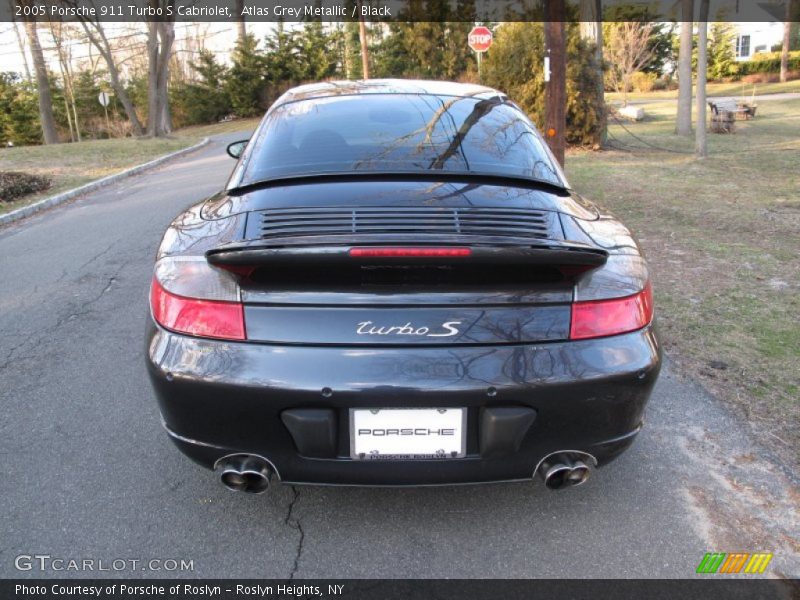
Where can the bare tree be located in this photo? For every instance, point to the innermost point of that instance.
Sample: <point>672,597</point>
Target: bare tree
<point>97,36</point>
<point>628,50</point>
<point>58,31</point>
<point>160,37</point>
<point>683,121</point>
<point>701,149</point>
<point>787,28</point>
<point>21,43</point>
<point>43,85</point>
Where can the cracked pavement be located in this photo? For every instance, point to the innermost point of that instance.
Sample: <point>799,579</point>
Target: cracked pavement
<point>88,472</point>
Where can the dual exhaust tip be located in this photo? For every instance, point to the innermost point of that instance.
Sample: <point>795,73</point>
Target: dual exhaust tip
<point>252,474</point>
<point>563,469</point>
<point>244,473</point>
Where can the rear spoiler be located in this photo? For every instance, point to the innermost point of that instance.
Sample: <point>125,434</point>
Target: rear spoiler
<point>235,257</point>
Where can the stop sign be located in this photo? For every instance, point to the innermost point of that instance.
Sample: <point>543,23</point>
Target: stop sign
<point>479,39</point>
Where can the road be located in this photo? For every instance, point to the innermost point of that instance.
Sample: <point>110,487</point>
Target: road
<point>87,471</point>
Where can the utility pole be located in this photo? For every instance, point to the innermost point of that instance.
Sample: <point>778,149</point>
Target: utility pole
<point>555,98</point>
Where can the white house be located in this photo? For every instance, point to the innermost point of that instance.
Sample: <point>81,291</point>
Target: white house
<point>759,36</point>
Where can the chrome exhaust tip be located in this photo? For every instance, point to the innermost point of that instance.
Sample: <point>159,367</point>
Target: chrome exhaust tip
<point>244,473</point>
<point>556,476</point>
<point>561,470</point>
<point>578,474</point>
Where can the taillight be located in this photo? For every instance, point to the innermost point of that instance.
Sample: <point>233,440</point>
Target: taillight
<point>190,296</point>
<point>598,318</point>
<point>410,252</point>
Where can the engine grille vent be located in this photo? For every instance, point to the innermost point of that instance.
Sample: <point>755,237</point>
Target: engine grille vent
<point>326,221</point>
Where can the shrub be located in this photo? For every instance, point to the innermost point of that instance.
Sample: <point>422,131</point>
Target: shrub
<point>663,83</point>
<point>768,62</point>
<point>515,65</point>
<point>643,82</point>
<point>14,184</point>
<point>761,78</point>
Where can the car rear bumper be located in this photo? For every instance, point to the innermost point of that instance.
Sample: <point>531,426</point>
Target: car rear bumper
<point>219,398</point>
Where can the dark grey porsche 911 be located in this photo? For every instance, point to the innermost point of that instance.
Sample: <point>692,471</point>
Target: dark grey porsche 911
<point>399,287</point>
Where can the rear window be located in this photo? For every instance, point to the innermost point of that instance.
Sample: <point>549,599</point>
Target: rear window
<point>395,133</point>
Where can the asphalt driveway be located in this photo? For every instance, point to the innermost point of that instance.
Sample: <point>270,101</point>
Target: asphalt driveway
<point>88,473</point>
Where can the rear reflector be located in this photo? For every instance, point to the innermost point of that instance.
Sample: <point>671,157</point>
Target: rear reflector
<point>598,318</point>
<point>202,318</point>
<point>408,252</point>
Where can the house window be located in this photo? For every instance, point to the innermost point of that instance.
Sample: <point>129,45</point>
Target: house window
<point>743,46</point>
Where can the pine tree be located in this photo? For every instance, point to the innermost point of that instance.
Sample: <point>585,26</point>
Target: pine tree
<point>246,79</point>
<point>721,55</point>
<point>205,100</point>
<point>316,47</point>
<point>19,111</point>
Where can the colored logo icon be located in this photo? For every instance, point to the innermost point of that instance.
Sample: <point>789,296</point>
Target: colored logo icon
<point>735,562</point>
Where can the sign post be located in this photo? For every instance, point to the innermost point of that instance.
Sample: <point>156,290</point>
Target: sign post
<point>480,40</point>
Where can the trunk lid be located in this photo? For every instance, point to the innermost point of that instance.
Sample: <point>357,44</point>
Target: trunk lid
<point>310,273</point>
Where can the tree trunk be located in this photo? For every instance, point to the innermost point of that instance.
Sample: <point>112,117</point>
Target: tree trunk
<point>591,15</point>
<point>153,109</point>
<point>100,41</point>
<point>588,20</point>
<point>701,150</point>
<point>167,35</point>
<point>43,85</point>
<point>555,99</point>
<point>683,121</point>
<point>362,36</point>
<point>598,54</point>
<point>787,28</point>
<point>346,59</point>
<point>240,25</point>
<point>160,36</point>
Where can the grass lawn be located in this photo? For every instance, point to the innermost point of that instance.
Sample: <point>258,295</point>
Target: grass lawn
<point>722,236</point>
<point>736,88</point>
<point>71,165</point>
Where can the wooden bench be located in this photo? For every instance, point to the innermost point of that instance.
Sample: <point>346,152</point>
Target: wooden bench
<point>725,112</point>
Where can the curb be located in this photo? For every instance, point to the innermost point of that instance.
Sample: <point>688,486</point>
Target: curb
<point>26,211</point>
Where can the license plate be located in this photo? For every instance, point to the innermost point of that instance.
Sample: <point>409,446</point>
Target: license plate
<point>408,433</point>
